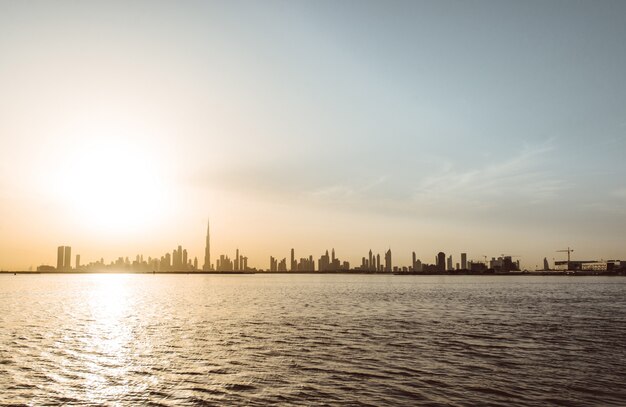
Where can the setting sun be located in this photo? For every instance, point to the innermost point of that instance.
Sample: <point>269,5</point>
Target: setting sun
<point>111,184</point>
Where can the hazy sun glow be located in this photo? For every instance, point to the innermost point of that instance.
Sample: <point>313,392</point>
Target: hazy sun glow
<point>109,183</point>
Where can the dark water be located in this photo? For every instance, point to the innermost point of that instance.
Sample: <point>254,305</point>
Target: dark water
<point>312,340</point>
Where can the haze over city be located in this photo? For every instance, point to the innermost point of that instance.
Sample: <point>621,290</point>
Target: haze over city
<point>474,127</point>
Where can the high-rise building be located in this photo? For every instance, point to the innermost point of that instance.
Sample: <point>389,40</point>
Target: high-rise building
<point>449,264</point>
<point>67,263</point>
<point>180,258</point>
<point>77,261</point>
<point>388,261</point>
<point>60,257</point>
<point>370,263</point>
<point>441,262</point>
<point>167,262</point>
<point>273,264</point>
<point>236,266</point>
<point>378,262</point>
<point>324,262</point>
<point>207,250</point>
<point>224,263</point>
<point>294,264</point>
<point>463,261</point>
<point>546,266</point>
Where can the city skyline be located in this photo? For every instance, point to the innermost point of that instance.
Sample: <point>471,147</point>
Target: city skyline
<point>180,260</point>
<point>407,257</point>
<point>482,128</point>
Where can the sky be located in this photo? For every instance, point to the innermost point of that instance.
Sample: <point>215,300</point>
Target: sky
<point>486,127</point>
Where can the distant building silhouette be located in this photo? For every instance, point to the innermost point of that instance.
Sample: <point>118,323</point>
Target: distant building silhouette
<point>463,261</point>
<point>67,263</point>
<point>166,262</point>
<point>273,264</point>
<point>441,262</point>
<point>60,257</point>
<point>64,256</point>
<point>323,263</point>
<point>207,249</point>
<point>331,263</point>
<point>224,263</point>
<point>388,265</point>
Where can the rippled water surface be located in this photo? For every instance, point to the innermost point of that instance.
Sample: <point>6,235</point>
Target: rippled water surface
<point>312,340</point>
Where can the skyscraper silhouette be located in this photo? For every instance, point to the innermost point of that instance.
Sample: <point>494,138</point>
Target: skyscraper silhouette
<point>207,249</point>
<point>388,266</point>
<point>441,262</point>
<point>67,263</point>
<point>60,258</point>
<point>64,256</point>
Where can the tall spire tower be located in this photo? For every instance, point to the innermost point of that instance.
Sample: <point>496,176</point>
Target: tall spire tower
<point>207,249</point>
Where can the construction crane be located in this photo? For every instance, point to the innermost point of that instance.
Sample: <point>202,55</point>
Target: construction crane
<point>568,250</point>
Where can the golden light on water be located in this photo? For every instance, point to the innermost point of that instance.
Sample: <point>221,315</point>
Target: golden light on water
<point>108,352</point>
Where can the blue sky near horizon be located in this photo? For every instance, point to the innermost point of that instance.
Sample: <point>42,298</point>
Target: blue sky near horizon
<point>443,125</point>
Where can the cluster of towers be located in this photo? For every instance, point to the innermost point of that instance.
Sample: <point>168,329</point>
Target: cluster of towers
<point>239,263</point>
<point>327,262</point>
<point>305,263</point>
<point>372,263</point>
<point>177,261</point>
<point>64,258</point>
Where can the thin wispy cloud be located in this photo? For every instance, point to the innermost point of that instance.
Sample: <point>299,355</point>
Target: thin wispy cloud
<point>518,177</point>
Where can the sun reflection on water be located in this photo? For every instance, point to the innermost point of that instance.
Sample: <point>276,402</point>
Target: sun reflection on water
<point>109,338</point>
